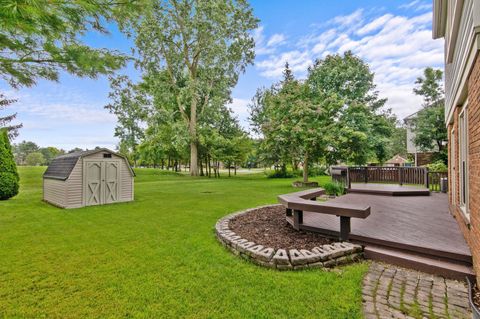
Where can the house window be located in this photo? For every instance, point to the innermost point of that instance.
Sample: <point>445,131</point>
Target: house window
<point>463,159</point>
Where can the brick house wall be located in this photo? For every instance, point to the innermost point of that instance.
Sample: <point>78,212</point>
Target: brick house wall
<point>470,231</point>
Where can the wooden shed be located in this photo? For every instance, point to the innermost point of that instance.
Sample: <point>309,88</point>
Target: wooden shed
<point>88,178</point>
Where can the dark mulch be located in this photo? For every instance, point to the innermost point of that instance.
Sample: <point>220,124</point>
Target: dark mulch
<point>476,296</point>
<point>268,227</point>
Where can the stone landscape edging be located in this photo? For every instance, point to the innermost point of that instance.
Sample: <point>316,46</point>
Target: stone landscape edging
<point>325,256</point>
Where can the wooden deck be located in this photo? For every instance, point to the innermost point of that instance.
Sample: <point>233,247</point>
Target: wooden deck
<point>406,230</point>
<point>388,189</point>
<point>417,221</point>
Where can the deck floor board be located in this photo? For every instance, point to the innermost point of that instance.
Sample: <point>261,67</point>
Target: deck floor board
<point>420,221</point>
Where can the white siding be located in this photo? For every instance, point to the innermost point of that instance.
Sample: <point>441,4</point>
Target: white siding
<point>74,186</point>
<point>126,182</point>
<point>54,191</point>
<point>461,45</point>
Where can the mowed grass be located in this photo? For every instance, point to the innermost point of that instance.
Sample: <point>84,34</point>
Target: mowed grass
<point>156,257</point>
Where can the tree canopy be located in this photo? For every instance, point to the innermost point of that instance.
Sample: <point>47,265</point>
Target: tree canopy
<point>39,38</point>
<point>429,124</point>
<point>191,54</point>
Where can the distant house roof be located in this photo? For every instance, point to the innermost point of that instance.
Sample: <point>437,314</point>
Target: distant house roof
<point>397,159</point>
<point>62,166</point>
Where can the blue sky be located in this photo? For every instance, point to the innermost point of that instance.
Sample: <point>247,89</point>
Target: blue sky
<point>394,37</point>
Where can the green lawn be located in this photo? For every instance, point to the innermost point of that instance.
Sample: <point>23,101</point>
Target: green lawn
<point>156,257</point>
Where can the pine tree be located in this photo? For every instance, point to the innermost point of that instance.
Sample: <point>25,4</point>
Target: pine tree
<point>5,121</point>
<point>9,179</point>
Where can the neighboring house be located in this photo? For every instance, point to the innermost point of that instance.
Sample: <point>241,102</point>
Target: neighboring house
<point>397,160</point>
<point>458,22</point>
<point>420,157</point>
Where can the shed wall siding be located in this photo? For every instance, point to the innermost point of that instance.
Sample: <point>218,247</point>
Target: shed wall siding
<point>126,182</point>
<point>75,186</point>
<point>54,191</point>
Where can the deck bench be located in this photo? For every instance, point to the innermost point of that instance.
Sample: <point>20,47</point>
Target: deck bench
<point>296,203</point>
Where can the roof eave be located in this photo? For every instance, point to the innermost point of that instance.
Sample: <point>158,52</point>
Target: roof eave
<point>439,20</point>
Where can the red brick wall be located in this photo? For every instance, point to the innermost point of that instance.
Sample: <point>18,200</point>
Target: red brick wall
<point>472,231</point>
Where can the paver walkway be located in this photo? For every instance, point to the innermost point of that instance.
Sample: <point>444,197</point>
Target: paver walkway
<point>393,292</point>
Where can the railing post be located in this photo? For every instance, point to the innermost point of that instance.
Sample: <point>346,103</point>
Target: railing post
<point>400,177</point>
<point>349,182</point>
<point>426,177</point>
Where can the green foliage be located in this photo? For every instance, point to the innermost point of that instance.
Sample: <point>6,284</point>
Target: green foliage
<point>49,153</point>
<point>334,188</point>
<point>429,86</point>
<point>438,166</point>
<point>429,124</point>
<point>39,38</point>
<point>35,159</point>
<point>9,179</point>
<point>191,54</point>
<point>21,151</point>
<point>282,173</point>
<point>429,127</point>
<point>363,128</point>
<point>5,121</point>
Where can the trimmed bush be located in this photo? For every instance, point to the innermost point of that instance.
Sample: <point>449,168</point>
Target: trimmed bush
<point>8,170</point>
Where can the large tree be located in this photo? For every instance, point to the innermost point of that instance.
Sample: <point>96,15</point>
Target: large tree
<point>429,124</point>
<point>39,38</point>
<point>363,125</point>
<point>191,53</point>
<point>295,122</point>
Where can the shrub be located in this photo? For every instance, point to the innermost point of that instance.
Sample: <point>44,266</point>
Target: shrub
<point>334,188</point>
<point>438,166</point>
<point>281,174</point>
<point>8,170</point>
<point>8,185</point>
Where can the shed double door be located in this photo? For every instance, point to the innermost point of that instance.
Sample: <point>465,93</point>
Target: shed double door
<point>101,182</point>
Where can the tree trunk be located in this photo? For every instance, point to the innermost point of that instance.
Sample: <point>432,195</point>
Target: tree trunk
<point>235,169</point>
<point>193,139</point>
<point>305,169</point>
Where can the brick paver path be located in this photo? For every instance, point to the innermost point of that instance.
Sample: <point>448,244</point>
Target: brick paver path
<point>394,292</point>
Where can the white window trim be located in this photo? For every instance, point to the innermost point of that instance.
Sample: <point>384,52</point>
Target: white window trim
<point>463,130</point>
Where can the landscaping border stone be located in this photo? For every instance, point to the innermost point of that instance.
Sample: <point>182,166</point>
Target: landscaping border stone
<point>325,256</point>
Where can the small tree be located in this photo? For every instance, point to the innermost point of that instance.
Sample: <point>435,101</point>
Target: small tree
<point>35,159</point>
<point>8,170</point>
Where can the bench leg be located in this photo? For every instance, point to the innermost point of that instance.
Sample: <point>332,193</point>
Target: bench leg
<point>288,212</point>
<point>344,228</point>
<point>297,219</point>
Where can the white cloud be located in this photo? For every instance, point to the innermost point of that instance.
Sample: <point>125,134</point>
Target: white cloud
<point>396,47</point>
<point>276,39</point>
<point>263,46</point>
<point>374,25</point>
<point>417,5</point>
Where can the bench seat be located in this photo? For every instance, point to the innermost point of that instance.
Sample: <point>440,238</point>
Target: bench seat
<point>297,203</point>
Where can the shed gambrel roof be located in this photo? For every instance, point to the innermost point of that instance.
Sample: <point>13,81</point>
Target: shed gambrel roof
<point>61,167</point>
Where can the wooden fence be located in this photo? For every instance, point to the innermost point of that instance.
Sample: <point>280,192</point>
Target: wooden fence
<point>387,174</point>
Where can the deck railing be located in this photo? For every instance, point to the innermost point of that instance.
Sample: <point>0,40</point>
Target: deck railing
<point>388,174</point>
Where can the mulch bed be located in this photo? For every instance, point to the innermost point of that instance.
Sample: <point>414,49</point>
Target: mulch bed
<point>267,226</point>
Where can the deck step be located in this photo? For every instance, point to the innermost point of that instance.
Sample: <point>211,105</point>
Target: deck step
<point>441,266</point>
